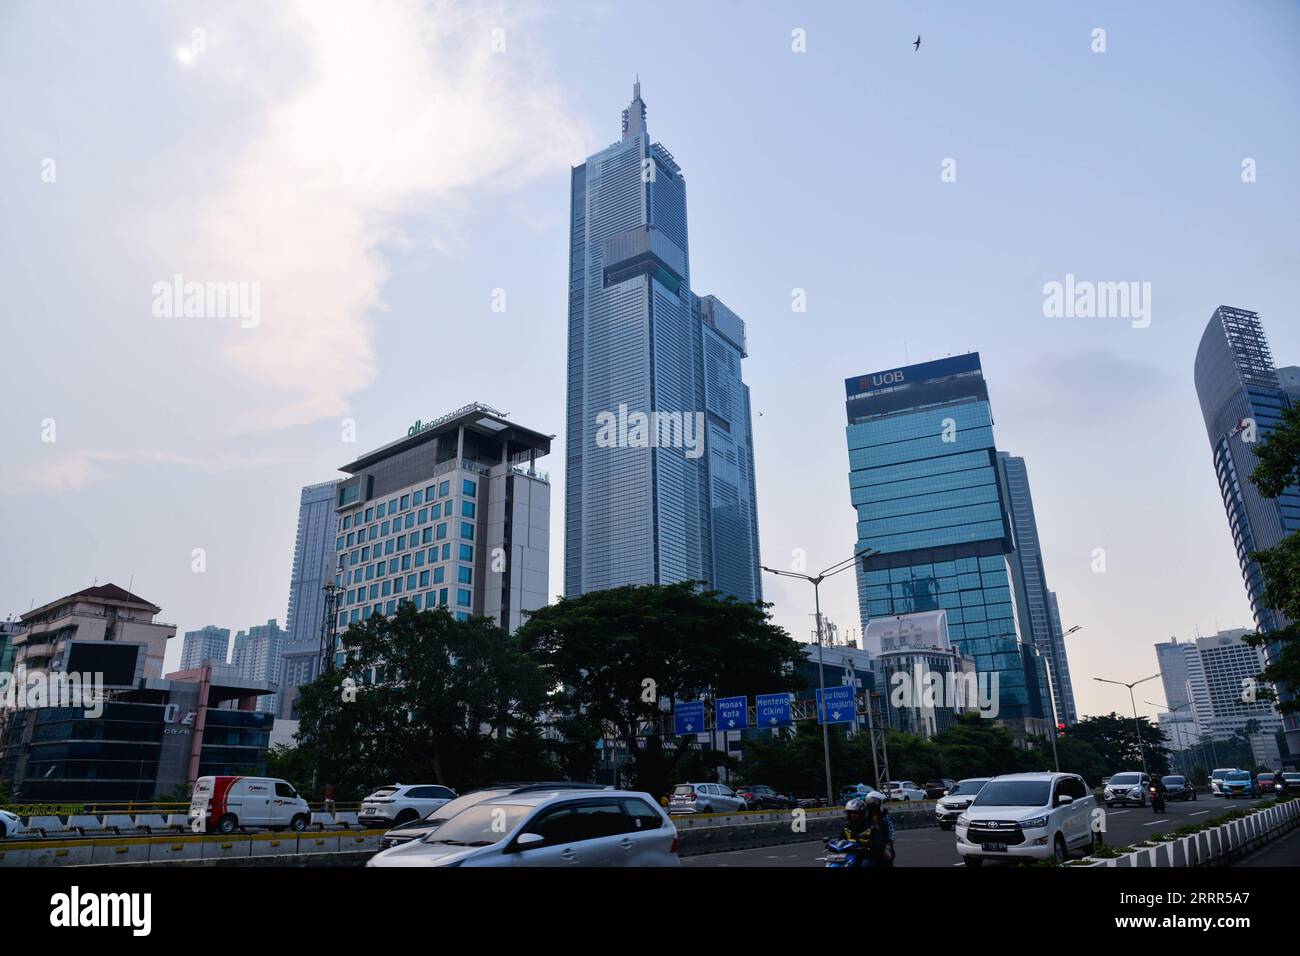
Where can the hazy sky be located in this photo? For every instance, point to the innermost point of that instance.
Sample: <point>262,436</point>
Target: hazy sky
<point>380,169</point>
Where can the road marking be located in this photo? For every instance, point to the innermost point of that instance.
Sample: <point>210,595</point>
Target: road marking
<point>1198,813</point>
<point>1153,823</point>
<point>1118,813</point>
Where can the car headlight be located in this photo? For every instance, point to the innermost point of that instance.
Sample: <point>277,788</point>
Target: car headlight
<point>963,821</point>
<point>1037,823</point>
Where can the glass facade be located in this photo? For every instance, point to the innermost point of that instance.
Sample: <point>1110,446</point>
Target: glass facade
<point>1039,616</point>
<point>641,343</point>
<point>925,484</point>
<point>1242,400</point>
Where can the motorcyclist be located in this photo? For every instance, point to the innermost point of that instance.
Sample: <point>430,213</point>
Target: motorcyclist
<point>879,816</point>
<point>1158,789</point>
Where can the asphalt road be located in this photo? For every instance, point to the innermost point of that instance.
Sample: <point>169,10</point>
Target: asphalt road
<point>930,846</point>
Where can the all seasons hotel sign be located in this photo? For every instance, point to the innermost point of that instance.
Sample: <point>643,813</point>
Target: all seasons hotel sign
<point>421,426</point>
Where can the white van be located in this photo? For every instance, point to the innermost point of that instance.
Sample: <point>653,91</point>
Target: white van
<point>223,804</point>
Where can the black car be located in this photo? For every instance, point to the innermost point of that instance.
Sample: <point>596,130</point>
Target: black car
<point>937,788</point>
<point>762,797</point>
<point>1178,788</point>
<point>419,829</point>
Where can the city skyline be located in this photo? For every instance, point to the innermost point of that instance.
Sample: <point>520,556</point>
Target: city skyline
<point>187,420</point>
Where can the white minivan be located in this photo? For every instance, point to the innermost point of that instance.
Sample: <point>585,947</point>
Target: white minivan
<point>224,804</point>
<point>1027,816</point>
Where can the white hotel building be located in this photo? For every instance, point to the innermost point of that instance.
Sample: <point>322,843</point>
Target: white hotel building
<point>455,514</point>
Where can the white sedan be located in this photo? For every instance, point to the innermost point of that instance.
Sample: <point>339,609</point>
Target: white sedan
<point>10,824</point>
<point>905,790</point>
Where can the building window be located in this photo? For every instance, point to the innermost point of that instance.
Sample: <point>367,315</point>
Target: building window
<point>464,597</point>
<point>442,531</point>
<point>406,502</point>
<point>417,497</point>
<point>465,575</point>
<point>467,509</point>
<point>467,552</point>
<point>443,489</point>
<point>468,487</point>
<point>467,531</point>
<point>439,574</point>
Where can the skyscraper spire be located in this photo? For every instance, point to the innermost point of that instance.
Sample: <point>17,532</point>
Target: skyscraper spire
<point>634,115</point>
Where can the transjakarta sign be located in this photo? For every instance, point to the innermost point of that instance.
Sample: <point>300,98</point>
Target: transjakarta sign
<point>925,371</point>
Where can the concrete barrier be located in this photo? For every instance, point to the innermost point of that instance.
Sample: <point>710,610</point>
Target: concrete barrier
<point>272,844</point>
<point>119,850</point>
<point>225,847</point>
<point>318,843</point>
<point>172,848</point>
<point>61,853</point>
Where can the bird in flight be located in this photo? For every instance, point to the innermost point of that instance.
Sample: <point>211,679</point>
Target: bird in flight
<point>917,45</point>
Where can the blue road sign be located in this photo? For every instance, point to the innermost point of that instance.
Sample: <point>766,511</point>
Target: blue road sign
<point>837,707</point>
<point>688,717</point>
<point>732,713</point>
<point>773,710</point>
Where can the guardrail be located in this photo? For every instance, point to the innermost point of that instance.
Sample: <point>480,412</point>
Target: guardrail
<point>1213,846</point>
<point>335,847</point>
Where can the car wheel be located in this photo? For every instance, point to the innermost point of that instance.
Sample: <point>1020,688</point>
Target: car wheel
<point>743,808</point>
<point>972,861</point>
<point>298,824</point>
<point>406,816</point>
<point>906,798</point>
<point>227,824</point>
<point>1059,850</point>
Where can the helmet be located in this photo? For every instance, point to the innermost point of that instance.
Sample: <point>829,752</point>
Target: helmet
<point>855,805</point>
<point>872,803</point>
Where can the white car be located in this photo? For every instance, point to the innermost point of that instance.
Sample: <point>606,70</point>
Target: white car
<point>1027,816</point>
<point>578,828</point>
<point>905,790</point>
<point>1126,788</point>
<point>950,806</point>
<point>403,803</point>
<point>10,824</point>
<point>705,798</point>
<point>1216,779</point>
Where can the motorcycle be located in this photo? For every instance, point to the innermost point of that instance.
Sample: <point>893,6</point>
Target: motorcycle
<point>1157,800</point>
<point>841,853</point>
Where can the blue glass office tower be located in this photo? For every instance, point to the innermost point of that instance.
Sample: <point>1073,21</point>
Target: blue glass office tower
<point>1039,617</point>
<point>681,506</point>
<point>314,564</point>
<point>925,482</point>
<point>1238,385</point>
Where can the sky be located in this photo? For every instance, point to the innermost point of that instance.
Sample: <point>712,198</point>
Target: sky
<point>377,172</point>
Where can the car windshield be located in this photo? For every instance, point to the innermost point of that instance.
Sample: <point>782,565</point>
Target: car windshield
<point>453,807</point>
<point>683,790</point>
<point>1265,776</point>
<point>966,788</point>
<point>1126,778</point>
<point>382,792</point>
<point>482,825</point>
<point>1172,781</point>
<point>1239,775</point>
<point>1014,793</point>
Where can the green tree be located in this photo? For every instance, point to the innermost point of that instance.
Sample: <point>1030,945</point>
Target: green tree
<point>975,747</point>
<point>421,697</point>
<point>613,655</point>
<point>1112,739</point>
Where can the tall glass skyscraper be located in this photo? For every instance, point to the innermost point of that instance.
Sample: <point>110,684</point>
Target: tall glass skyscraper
<point>924,480</point>
<point>1242,398</point>
<point>659,451</point>
<point>314,562</point>
<point>1034,602</point>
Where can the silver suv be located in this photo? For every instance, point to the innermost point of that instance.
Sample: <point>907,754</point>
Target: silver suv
<point>705,798</point>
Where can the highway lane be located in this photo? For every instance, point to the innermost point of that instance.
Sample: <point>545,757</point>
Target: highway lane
<point>931,846</point>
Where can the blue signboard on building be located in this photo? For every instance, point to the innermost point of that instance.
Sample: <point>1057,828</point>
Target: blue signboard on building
<point>732,713</point>
<point>688,717</point>
<point>773,710</point>
<point>838,706</point>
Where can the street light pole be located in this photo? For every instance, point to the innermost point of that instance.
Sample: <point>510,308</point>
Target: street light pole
<point>1137,727</point>
<point>815,581</point>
